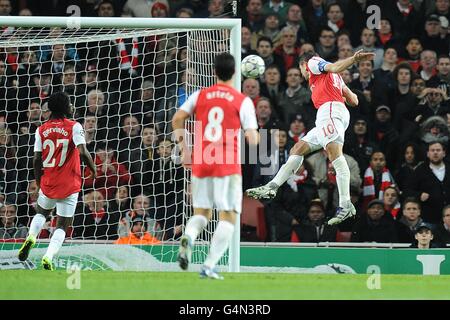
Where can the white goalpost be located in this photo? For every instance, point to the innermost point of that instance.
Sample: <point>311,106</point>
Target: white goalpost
<point>126,77</point>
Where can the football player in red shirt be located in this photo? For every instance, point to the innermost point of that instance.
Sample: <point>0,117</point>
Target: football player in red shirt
<point>59,143</point>
<point>220,113</point>
<point>329,94</point>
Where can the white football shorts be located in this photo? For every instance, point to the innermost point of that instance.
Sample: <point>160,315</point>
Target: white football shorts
<point>332,120</point>
<point>221,193</point>
<point>64,207</point>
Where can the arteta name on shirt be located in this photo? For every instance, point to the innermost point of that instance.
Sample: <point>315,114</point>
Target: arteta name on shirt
<point>220,94</point>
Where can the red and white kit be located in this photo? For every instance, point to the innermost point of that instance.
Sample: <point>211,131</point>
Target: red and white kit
<point>332,115</point>
<point>220,112</point>
<point>58,139</point>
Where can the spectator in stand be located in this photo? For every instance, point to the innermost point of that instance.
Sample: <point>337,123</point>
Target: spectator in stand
<point>298,128</point>
<point>129,139</point>
<point>306,47</point>
<point>424,237</point>
<point>343,38</point>
<point>144,107</point>
<point>250,87</point>
<point>368,41</point>
<point>216,8</point>
<point>5,7</point>
<point>184,12</point>
<point>9,228</point>
<point>105,8</point>
<point>413,50</point>
<point>442,78</point>
<point>409,220</point>
<point>279,7</point>
<point>27,202</point>
<point>385,35</point>
<point>271,30</point>
<point>264,115</point>
<point>291,204</point>
<point>264,49</point>
<point>159,10</point>
<point>140,208</point>
<point>358,142</point>
<point>391,200</point>
<point>138,234</point>
<point>8,165</point>
<point>93,220</point>
<point>443,229</point>
<point>434,129</point>
<point>295,19</point>
<point>412,158</point>
<point>121,202</point>
<point>246,42</point>
<point>110,173</point>
<point>385,73</point>
<point>377,178</point>
<point>365,80</point>
<point>254,17</point>
<point>296,98</point>
<point>431,184</point>
<point>345,51</point>
<point>140,8</point>
<point>325,177</point>
<point>90,80</point>
<point>428,61</point>
<point>288,49</point>
<point>314,227</point>
<point>92,133</point>
<point>385,135</point>
<point>375,225</point>
<point>326,47</point>
<point>431,38</point>
<point>272,86</point>
<point>436,103</point>
<point>405,19</point>
<point>442,8</point>
<point>315,17</point>
<point>164,181</point>
<point>335,17</point>
<point>356,17</point>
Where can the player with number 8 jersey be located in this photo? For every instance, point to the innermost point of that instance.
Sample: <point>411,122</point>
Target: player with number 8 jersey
<point>220,112</point>
<point>58,146</point>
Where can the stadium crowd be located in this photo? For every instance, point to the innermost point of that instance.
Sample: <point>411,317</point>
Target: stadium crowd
<point>126,91</point>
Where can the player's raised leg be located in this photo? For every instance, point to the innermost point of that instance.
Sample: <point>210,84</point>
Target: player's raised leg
<point>295,160</point>
<point>194,227</point>
<point>346,208</point>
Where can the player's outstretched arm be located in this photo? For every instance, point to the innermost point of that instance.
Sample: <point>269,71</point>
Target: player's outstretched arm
<point>87,159</point>
<point>341,65</point>
<point>350,97</point>
<point>37,166</point>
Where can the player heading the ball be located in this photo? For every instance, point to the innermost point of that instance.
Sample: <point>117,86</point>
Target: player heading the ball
<point>59,143</point>
<point>218,109</point>
<point>329,95</point>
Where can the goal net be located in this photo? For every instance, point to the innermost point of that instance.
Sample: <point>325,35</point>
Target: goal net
<point>125,84</point>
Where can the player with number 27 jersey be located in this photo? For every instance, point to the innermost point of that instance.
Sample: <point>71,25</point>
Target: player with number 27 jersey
<point>58,139</point>
<point>219,110</point>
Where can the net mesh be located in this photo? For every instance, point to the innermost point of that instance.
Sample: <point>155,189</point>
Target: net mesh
<point>125,85</point>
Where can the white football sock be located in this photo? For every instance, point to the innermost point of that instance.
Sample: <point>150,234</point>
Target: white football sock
<point>194,226</point>
<point>290,167</point>
<point>36,225</point>
<point>219,243</point>
<point>342,179</point>
<point>55,243</point>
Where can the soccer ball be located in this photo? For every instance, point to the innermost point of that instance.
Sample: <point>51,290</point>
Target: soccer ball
<point>252,66</point>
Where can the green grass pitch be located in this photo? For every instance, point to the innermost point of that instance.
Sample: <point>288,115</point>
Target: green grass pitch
<point>41,284</point>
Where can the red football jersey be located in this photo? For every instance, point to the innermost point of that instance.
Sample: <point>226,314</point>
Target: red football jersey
<point>325,86</point>
<point>58,139</point>
<point>220,112</point>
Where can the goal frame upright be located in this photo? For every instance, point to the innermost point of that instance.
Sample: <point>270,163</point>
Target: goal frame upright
<point>231,24</point>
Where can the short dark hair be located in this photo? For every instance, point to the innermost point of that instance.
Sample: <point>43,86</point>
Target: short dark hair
<point>224,66</point>
<point>434,142</point>
<point>411,200</point>
<point>266,39</point>
<point>306,56</point>
<point>443,56</point>
<point>59,104</point>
